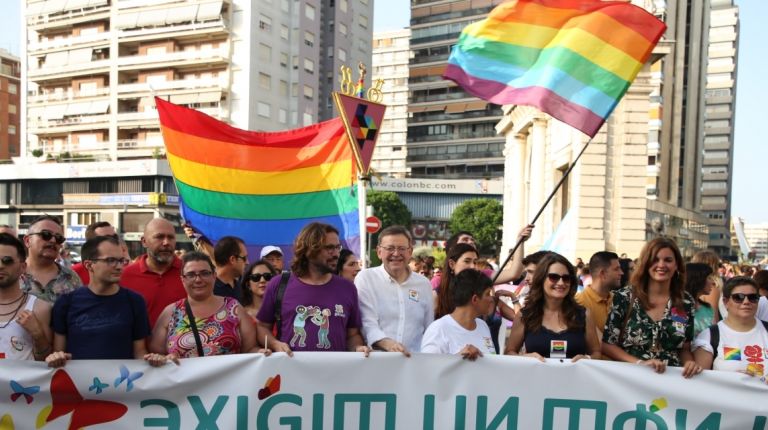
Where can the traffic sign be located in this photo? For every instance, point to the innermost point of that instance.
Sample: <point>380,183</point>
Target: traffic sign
<point>372,224</point>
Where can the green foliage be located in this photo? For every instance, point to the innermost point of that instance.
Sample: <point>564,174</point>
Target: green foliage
<point>388,207</point>
<point>482,217</point>
<point>439,255</point>
<point>37,152</point>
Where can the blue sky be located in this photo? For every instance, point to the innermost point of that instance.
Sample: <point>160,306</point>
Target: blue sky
<point>750,154</point>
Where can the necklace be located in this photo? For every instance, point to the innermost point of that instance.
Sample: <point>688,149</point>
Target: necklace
<point>13,301</point>
<point>16,311</point>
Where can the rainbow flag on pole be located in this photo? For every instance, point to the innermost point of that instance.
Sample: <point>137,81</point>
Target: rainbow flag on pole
<point>262,187</point>
<point>573,59</point>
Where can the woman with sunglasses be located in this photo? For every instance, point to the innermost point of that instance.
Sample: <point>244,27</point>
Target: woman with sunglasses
<point>348,265</point>
<point>737,343</point>
<point>651,320</point>
<point>552,324</point>
<point>255,284</point>
<point>202,324</point>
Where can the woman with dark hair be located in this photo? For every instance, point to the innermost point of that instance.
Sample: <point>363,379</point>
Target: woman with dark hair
<point>698,285</point>
<point>348,265</point>
<point>552,324</point>
<point>459,257</point>
<point>651,320</point>
<point>255,284</point>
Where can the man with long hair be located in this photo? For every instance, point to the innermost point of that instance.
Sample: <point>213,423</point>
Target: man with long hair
<point>316,310</point>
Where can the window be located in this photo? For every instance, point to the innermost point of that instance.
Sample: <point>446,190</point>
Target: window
<point>11,108</point>
<point>342,29</point>
<point>363,21</point>
<point>283,59</point>
<point>282,116</point>
<point>12,88</point>
<point>309,12</point>
<point>263,109</point>
<point>265,81</point>
<point>11,129</point>
<point>265,23</point>
<point>295,62</point>
<point>294,90</point>
<point>307,119</point>
<point>342,55</point>
<point>283,88</point>
<point>309,65</point>
<point>285,5</point>
<point>284,32</point>
<point>343,5</point>
<point>265,52</point>
<point>309,39</point>
<point>309,92</point>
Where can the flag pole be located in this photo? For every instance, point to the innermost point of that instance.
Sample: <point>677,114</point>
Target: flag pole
<point>361,210</point>
<point>541,210</point>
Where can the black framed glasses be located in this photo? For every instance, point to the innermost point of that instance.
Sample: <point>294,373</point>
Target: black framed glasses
<point>203,274</point>
<point>332,247</point>
<point>739,297</point>
<point>555,277</point>
<point>7,260</point>
<point>256,277</point>
<point>113,261</point>
<point>47,235</point>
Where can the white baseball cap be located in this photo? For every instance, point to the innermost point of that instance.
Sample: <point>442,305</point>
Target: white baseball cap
<point>268,250</point>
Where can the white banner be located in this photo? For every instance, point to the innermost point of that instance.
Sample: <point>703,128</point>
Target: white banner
<point>337,391</point>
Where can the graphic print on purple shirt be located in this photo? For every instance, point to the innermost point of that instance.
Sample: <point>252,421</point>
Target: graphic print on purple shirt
<point>314,317</point>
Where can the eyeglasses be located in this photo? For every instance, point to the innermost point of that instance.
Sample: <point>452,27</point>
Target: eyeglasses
<point>392,249</point>
<point>47,235</point>
<point>190,276</point>
<point>739,297</point>
<point>332,247</point>
<point>7,261</point>
<point>555,278</point>
<point>112,261</point>
<point>256,277</point>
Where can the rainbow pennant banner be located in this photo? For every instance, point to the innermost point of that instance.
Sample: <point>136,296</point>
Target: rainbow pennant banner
<point>263,187</point>
<point>573,59</point>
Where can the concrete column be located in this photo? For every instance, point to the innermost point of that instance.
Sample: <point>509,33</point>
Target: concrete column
<point>514,190</point>
<point>537,175</point>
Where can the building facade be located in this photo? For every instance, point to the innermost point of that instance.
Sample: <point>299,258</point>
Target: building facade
<point>10,107</point>
<point>719,126</point>
<point>391,55</point>
<point>93,67</point>
<point>450,133</point>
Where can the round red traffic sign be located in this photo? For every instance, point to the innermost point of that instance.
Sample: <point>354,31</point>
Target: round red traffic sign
<point>372,224</point>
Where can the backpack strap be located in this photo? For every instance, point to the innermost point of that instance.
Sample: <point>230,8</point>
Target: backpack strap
<point>714,339</point>
<point>279,303</point>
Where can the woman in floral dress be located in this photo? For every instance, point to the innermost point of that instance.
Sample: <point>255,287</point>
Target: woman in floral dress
<point>651,320</point>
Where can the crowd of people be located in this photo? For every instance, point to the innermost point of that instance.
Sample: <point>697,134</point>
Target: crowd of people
<point>656,312</point>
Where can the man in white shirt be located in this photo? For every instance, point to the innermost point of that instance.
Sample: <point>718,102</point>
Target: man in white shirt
<point>395,303</point>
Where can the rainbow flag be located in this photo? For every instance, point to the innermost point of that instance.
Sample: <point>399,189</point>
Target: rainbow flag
<point>262,187</point>
<point>573,59</point>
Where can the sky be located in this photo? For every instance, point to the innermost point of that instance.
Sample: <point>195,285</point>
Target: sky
<point>748,199</point>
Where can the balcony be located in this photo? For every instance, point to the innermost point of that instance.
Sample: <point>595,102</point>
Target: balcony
<point>68,70</point>
<point>73,123</point>
<point>70,42</point>
<point>53,13</point>
<point>221,83</point>
<point>175,59</point>
<point>67,95</point>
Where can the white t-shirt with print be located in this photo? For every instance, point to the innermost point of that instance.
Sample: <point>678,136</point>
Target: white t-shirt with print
<point>446,336</point>
<point>738,351</point>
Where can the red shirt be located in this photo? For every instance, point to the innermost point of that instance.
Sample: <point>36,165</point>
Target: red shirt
<point>158,290</point>
<point>82,272</point>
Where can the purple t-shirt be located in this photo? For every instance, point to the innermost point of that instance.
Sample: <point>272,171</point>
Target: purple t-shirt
<point>314,317</point>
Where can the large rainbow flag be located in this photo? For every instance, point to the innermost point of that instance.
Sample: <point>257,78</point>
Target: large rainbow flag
<point>573,59</point>
<point>262,187</point>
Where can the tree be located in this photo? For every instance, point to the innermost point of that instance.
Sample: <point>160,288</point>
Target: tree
<point>481,217</point>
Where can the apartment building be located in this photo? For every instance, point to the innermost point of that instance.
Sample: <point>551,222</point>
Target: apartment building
<point>450,133</point>
<point>719,126</point>
<point>391,55</point>
<point>10,129</point>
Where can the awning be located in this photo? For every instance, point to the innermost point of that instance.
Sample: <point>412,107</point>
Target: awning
<point>209,97</point>
<point>34,9</point>
<point>92,3</point>
<point>476,105</point>
<point>53,6</point>
<point>149,18</point>
<point>80,56</point>
<point>208,11</point>
<point>55,112</point>
<point>76,4</point>
<point>455,108</point>
<point>182,14</point>
<point>184,99</point>
<point>55,59</point>
<point>126,20</point>
<point>75,109</point>
<point>99,106</point>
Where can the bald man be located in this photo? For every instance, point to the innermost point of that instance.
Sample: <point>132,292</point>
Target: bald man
<point>156,275</point>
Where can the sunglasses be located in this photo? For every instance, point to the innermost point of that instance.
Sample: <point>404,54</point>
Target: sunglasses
<point>555,278</point>
<point>256,277</point>
<point>739,297</point>
<point>47,235</point>
<point>7,261</point>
